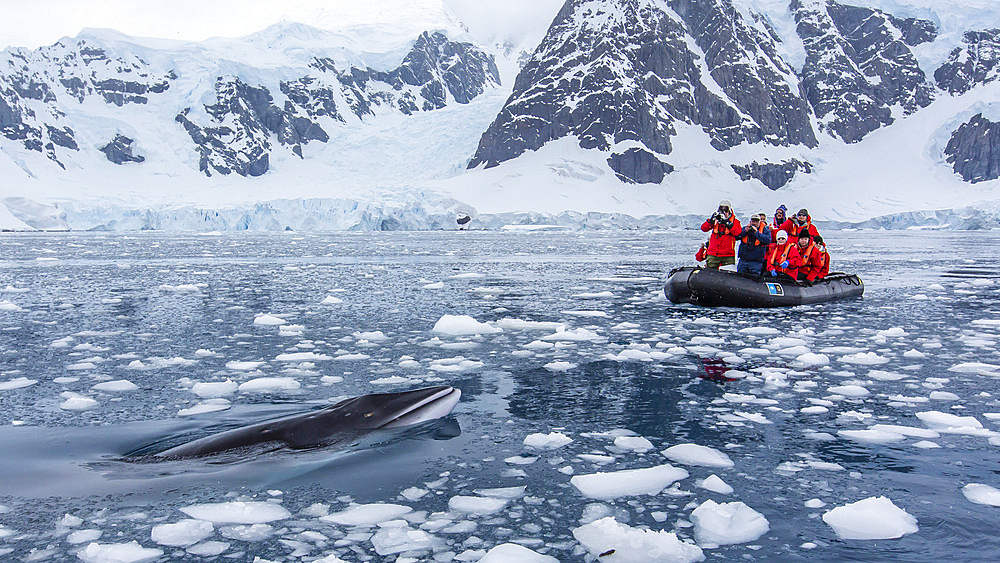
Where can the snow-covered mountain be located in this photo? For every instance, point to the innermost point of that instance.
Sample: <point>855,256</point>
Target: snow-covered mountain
<point>626,109</point>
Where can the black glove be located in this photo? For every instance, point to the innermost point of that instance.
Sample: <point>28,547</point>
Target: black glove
<point>728,224</point>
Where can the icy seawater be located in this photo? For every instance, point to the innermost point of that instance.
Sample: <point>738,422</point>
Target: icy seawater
<point>597,420</point>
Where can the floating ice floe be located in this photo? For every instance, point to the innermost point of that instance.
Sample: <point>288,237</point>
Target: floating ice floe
<point>511,552</point>
<point>214,389</point>
<point>810,359</point>
<point>204,407</point>
<point>574,335</point>
<point>593,295</point>
<point>183,288</point>
<point>119,385</point>
<point>468,276</point>
<point>715,484</point>
<point>264,319</point>
<point>302,357</point>
<point>9,306</point>
<point>947,423</point>
<point>397,536</point>
<point>977,368</point>
<point>367,514</point>
<point>237,512</point>
<point>481,506</point>
<point>130,552</point>
<point>874,518</point>
<point>982,494</point>
<point>633,443</point>
<point>559,366</point>
<point>17,383</point>
<point>352,357</point>
<point>628,482</point>
<point>759,331</point>
<point>584,313</point>
<point>243,366</point>
<point>550,441</point>
<point>463,325</point>
<point>183,533</point>
<point>864,358</point>
<point>455,365</point>
<point>331,300</point>
<point>269,385</point>
<point>728,523</point>
<point>518,324</point>
<point>624,544</point>
<point>855,391</point>
<point>694,454</point>
<point>76,402</point>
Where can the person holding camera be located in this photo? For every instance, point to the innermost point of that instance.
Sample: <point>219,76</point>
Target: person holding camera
<point>753,246</point>
<point>725,227</point>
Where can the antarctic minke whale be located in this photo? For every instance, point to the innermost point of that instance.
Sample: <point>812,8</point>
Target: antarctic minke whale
<point>337,423</point>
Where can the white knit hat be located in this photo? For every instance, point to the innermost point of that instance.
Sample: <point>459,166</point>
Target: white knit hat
<point>780,234</point>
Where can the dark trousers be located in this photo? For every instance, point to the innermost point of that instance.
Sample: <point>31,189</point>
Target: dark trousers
<point>750,268</point>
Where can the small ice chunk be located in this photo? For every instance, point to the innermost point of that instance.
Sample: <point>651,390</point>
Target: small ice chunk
<point>397,539</point>
<point>17,383</point>
<point>816,409</point>
<point>979,368</point>
<point>83,536</point>
<point>214,389</point>
<point>207,406</point>
<point>264,319</point>
<point>76,402</point>
<point>633,443</point>
<point>715,484</point>
<point>117,385</point>
<point>331,300</point>
<point>463,325</point>
<point>872,436</point>
<point>130,552</point>
<point>269,385</point>
<point>183,533</point>
<point>210,548</point>
<point>759,331</point>
<point>510,552</point>
<point>243,366</point>
<point>727,523</point>
<point>367,514</point>
<point>575,335</point>
<point>948,423</point>
<point>302,357</point>
<point>481,506</point>
<point>864,358</point>
<point>811,359</point>
<point>874,518</point>
<point>550,441</point>
<point>855,391</point>
<point>629,482</point>
<point>625,544</point>
<point>559,366</point>
<point>982,494</point>
<point>814,503</point>
<point>237,512</point>
<point>693,454</point>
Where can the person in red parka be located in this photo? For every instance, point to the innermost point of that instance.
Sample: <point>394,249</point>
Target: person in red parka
<point>725,227</point>
<point>812,258</point>
<point>824,268</point>
<point>783,257</point>
<point>798,223</point>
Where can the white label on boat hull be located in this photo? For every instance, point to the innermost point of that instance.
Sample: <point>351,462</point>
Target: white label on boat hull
<point>775,289</point>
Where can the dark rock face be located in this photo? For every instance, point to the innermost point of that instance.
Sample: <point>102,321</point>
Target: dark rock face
<point>859,65</point>
<point>119,150</point>
<point>638,166</point>
<point>434,68</point>
<point>771,174</point>
<point>976,62</point>
<point>974,150</point>
<point>624,70</point>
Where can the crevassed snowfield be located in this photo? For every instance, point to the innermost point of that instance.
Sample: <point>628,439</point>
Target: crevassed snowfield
<point>592,416</point>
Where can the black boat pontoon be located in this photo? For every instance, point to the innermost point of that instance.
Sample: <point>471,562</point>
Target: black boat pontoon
<point>722,288</point>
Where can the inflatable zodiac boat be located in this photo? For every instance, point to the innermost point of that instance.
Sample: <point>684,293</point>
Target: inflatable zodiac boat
<point>721,288</point>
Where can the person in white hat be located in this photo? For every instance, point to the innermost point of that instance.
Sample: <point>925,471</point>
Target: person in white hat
<point>725,227</point>
<point>783,256</point>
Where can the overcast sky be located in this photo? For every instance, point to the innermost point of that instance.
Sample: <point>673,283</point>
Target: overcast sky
<point>32,23</point>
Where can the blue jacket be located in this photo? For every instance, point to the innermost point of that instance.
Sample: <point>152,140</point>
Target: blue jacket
<point>753,243</point>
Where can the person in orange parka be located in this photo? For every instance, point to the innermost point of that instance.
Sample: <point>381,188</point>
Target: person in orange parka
<point>812,258</point>
<point>725,227</point>
<point>783,257</point>
<point>798,223</point>
<point>824,255</point>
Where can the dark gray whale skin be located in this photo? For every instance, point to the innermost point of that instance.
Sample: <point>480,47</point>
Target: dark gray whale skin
<point>343,421</point>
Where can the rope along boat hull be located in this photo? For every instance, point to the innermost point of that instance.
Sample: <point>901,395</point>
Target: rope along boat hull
<point>720,288</point>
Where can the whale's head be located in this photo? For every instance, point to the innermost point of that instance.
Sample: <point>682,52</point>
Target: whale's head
<point>394,410</point>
